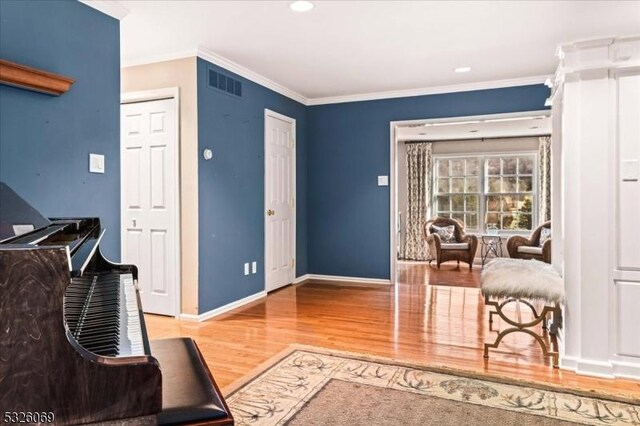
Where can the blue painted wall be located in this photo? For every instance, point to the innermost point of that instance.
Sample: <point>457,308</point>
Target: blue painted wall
<point>231,187</point>
<point>45,141</point>
<point>348,147</point>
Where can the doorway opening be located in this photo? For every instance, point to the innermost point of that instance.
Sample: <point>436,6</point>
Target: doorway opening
<point>460,157</point>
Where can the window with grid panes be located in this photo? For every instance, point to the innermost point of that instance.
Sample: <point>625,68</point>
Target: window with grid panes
<point>487,190</point>
<point>509,191</point>
<point>457,187</point>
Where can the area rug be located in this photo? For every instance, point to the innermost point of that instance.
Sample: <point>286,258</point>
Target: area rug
<point>314,386</point>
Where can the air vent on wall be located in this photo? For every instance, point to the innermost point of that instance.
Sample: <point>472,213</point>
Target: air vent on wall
<point>225,84</point>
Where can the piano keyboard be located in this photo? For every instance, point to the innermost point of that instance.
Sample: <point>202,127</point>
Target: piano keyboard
<point>102,314</point>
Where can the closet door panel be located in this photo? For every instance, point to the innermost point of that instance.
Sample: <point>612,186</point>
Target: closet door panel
<point>628,232</point>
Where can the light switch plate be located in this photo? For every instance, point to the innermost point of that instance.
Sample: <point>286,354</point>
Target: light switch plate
<point>630,170</point>
<point>383,180</point>
<point>246,268</point>
<point>254,267</point>
<point>96,163</point>
<point>22,229</point>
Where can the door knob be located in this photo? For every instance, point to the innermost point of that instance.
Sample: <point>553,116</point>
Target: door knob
<point>271,212</point>
<point>134,223</point>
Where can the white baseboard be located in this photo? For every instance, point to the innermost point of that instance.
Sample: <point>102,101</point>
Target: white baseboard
<point>607,370</point>
<point>337,279</point>
<point>301,279</point>
<point>626,370</point>
<point>568,363</point>
<point>223,309</point>
<point>587,367</point>
<point>594,368</point>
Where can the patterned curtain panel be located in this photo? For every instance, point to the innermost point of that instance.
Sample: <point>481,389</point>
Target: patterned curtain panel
<point>418,200</point>
<point>544,179</point>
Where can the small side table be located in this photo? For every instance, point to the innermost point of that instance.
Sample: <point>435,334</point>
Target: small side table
<point>490,246</point>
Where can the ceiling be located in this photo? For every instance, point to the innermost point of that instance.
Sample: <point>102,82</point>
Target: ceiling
<point>518,125</point>
<point>358,47</point>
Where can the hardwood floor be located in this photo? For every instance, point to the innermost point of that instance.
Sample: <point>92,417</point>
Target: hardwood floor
<point>449,274</point>
<point>432,316</point>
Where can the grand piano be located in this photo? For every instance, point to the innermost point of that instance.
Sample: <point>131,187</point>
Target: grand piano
<point>73,343</point>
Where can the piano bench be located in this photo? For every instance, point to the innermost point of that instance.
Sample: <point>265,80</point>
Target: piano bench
<point>189,393</point>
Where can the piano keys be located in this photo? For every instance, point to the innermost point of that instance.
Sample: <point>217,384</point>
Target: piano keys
<point>74,341</point>
<point>102,314</point>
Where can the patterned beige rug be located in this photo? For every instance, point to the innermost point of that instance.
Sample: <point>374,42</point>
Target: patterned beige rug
<point>314,386</point>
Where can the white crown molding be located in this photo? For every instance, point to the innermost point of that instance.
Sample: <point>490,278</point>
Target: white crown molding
<point>467,87</point>
<point>223,309</point>
<point>223,62</point>
<point>590,57</point>
<point>108,7</point>
<point>599,55</point>
<point>234,67</point>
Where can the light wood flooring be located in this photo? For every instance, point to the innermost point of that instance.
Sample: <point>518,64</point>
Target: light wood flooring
<point>431,316</point>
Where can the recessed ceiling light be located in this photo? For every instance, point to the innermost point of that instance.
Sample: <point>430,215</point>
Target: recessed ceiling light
<point>463,69</point>
<point>301,6</point>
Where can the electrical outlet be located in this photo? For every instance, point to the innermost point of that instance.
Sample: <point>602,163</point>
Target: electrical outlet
<point>254,267</point>
<point>246,268</point>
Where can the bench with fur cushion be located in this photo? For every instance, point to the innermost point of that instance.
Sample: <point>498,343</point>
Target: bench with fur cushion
<point>507,281</point>
<point>522,279</point>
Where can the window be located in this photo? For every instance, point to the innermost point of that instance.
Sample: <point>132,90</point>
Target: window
<point>509,192</point>
<point>458,190</point>
<point>483,191</point>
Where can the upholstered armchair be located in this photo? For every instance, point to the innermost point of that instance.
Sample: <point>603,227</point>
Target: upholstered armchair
<point>529,248</point>
<point>463,249</point>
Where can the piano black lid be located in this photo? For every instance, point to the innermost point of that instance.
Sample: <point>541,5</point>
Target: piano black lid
<point>16,215</point>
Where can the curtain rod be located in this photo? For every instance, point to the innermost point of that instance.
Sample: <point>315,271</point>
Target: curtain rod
<point>478,139</point>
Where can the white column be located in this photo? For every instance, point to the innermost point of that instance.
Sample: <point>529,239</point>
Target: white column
<point>596,229</point>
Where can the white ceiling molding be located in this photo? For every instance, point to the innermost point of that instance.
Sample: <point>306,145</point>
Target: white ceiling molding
<point>466,87</point>
<point>234,67</point>
<point>225,63</point>
<point>108,7</point>
<point>599,54</point>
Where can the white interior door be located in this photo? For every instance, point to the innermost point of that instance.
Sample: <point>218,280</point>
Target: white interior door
<point>280,191</point>
<point>149,150</point>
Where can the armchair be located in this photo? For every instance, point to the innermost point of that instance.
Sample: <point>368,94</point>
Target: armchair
<point>464,248</point>
<point>529,248</point>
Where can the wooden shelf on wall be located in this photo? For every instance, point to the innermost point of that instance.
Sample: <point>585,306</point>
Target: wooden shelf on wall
<point>34,79</point>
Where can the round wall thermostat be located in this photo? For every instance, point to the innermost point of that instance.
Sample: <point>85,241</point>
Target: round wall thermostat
<point>207,154</point>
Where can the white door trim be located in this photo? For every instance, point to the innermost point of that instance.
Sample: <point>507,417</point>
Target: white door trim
<point>393,170</point>
<point>154,95</point>
<point>292,121</point>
